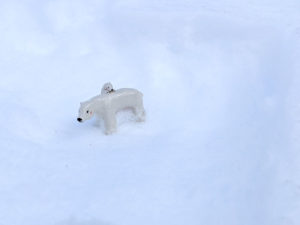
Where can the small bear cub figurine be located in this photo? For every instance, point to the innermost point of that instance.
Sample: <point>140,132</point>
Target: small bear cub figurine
<point>107,88</point>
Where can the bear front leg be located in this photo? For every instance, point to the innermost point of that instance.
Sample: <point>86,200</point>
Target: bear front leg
<point>110,123</point>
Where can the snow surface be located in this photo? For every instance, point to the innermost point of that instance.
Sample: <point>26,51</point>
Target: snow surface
<point>221,87</point>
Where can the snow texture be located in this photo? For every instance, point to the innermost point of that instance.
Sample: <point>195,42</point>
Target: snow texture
<point>221,89</point>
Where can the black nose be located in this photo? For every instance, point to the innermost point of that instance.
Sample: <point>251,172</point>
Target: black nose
<point>79,119</point>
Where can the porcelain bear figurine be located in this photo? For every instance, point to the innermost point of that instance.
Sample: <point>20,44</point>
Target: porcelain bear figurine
<point>107,105</point>
<point>107,88</point>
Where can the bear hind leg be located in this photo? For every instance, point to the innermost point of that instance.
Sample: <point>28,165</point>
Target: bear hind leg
<point>139,111</point>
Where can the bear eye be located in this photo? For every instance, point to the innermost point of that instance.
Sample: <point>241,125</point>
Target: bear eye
<point>87,111</point>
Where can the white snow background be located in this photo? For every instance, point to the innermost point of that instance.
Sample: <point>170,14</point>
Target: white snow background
<point>221,88</point>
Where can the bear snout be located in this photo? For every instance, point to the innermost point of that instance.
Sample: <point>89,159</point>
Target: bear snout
<point>79,119</point>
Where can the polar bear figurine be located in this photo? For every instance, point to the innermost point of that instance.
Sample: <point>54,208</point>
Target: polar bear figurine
<point>106,106</point>
<point>107,88</point>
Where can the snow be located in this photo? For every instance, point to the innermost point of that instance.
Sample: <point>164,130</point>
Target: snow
<point>221,90</point>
